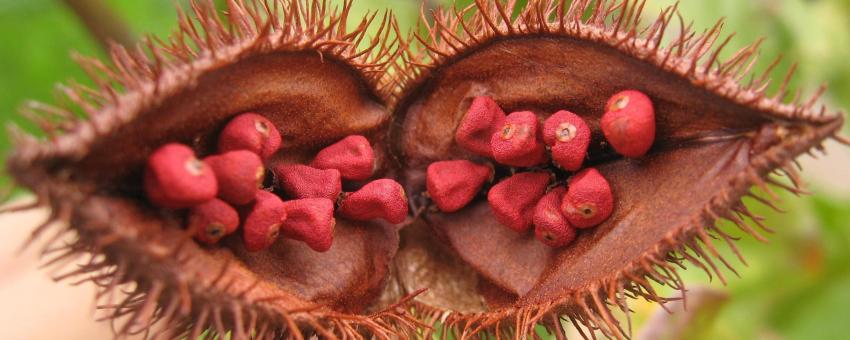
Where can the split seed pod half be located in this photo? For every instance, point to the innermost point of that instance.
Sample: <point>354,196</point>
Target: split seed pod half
<point>715,139</point>
<point>295,63</point>
<point>310,70</point>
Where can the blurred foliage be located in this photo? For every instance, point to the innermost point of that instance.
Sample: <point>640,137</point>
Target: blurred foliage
<point>796,287</point>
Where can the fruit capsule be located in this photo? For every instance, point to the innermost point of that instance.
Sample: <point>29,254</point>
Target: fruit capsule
<point>176,179</point>
<point>453,184</point>
<point>589,200</point>
<point>629,123</point>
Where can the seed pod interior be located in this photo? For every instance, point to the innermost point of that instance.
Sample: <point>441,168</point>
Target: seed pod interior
<point>281,86</point>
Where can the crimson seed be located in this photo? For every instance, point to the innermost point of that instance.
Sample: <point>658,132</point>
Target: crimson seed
<point>453,184</point>
<point>518,142</point>
<point>483,118</point>
<point>352,156</point>
<point>174,178</point>
<point>252,132</point>
<point>513,199</point>
<point>302,181</point>
<point>568,136</point>
<point>382,198</point>
<point>589,200</point>
<point>310,220</point>
<point>629,123</point>
<point>212,220</point>
<point>262,223</point>
<point>550,226</point>
<point>239,174</point>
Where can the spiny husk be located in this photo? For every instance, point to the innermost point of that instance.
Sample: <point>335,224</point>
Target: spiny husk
<point>141,80</point>
<point>455,34</point>
<point>164,281</point>
<point>615,23</point>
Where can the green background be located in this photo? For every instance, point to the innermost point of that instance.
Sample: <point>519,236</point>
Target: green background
<point>796,287</point>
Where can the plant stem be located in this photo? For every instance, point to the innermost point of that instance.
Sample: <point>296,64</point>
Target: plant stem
<point>102,22</point>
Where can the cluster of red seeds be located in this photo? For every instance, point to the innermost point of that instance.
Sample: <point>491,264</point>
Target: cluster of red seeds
<point>520,140</point>
<point>225,190</point>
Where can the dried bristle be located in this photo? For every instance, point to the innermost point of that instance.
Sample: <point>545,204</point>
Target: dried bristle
<point>87,162</point>
<point>613,28</point>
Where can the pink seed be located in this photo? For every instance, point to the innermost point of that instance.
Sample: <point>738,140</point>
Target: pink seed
<point>213,220</point>
<point>301,181</point>
<point>176,179</point>
<point>239,174</point>
<point>519,142</point>
<point>568,136</point>
<point>483,118</point>
<point>453,184</point>
<point>589,200</point>
<point>513,199</point>
<point>310,220</point>
<point>262,223</point>
<point>382,198</point>
<point>352,156</point>
<point>252,132</point>
<point>629,123</point>
<point>550,226</point>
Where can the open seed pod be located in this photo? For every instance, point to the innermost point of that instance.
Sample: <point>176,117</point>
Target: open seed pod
<point>716,139</point>
<point>295,63</point>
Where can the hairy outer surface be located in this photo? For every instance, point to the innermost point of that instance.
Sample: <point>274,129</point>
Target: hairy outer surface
<point>296,63</point>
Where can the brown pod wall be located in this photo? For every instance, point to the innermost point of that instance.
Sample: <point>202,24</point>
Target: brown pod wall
<point>297,64</point>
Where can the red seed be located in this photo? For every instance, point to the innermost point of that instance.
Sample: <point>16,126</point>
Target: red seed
<point>568,136</point>
<point>589,201</point>
<point>176,179</point>
<point>352,156</point>
<point>310,220</point>
<point>252,132</point>
<point>382,198</point>
<point>239,174</point>
<point>483,118</point>
<point>453,184</point>
<point>513,199</point>
<point>518,142</point>
<point>301,181</point>
<point>213,220</point>
<point>629,123</point>
<point>550,226</point>
<point>262,223</point>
